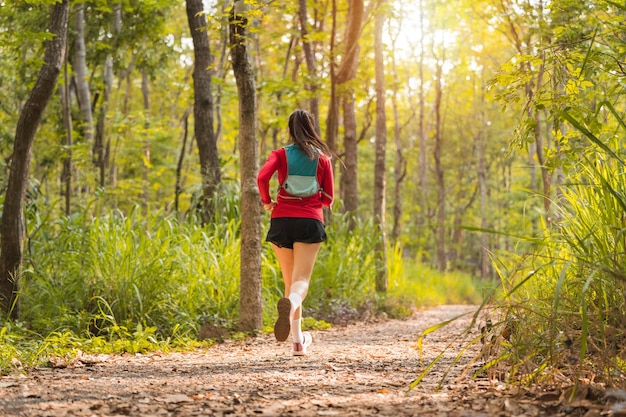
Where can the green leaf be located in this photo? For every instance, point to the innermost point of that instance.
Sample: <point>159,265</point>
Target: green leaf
<point>589,135</point>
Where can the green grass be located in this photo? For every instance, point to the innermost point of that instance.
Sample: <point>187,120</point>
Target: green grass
<point>424,286</point>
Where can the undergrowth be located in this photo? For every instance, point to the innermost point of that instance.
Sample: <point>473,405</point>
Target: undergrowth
<point>135,282</point>
<point>560,313</point>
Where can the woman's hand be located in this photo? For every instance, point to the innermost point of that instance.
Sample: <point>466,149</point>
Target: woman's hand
<point>269,206</point>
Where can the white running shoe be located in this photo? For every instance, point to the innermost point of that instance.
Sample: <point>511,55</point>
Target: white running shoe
<point>299,349</point>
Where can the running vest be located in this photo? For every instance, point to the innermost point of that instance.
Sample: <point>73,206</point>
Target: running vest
<point>301,178</point>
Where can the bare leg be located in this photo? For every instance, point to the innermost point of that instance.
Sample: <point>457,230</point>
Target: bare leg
<point>296,266</point>
<point>285,261</point>
<point>304,256</point>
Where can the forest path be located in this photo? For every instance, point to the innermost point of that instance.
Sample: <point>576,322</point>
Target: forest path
<point>358,370</point>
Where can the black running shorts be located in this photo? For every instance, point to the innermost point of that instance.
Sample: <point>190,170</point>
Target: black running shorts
<point>284,231</point>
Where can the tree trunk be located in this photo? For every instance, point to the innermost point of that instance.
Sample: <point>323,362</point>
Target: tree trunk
<point>421,221</point>
<point>439,172</point>
<point>312,82</point>
<point>381,145</point>
<point>101,147</point>
<point>250,301</point>
<point>350,59</point>
<point>221,67</point>
<point>345,73</point>
<point>12,226</point>
<point>145,90</point>
<point>332,120</point>
<point>203,106</point>
<point>349,185</point>
<point>181,159</point>
<point>481,168</point>
<point>546,180</point>
<point>66,173</point>
<point>80,71</point>
<point>400,162</point>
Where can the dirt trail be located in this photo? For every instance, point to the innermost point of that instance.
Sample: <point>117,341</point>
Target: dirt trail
<point>358,370</point>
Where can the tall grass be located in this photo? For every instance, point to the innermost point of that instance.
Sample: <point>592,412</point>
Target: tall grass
<point>88,273</point>
<point>564,305</point>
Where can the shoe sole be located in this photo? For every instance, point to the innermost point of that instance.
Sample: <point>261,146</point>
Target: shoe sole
<point>282,328</point>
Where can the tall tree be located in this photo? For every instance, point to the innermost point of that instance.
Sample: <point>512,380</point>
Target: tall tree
<point>422,168</point>
<point>381,147</point>
<point>203,105</point>
<point>66,172</point>
<point>80,73</point>
<point>12,228</point>
<point>345,73</point>
<point>309,56</point>
<point>101,146</point>
<point>332,119</point>
<point>145,90</point>
<point>251,303</point>
<point>400,161</point>
<point>481,171</point>
<point>439,170</point>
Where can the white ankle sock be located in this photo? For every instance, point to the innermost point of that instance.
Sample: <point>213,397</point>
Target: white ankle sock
<point>296,301</point>
<point>296,331</point>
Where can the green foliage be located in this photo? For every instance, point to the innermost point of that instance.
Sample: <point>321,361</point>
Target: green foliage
<point>98,273</point>
<point>567,291</point>
<point>16,347</point>
<point>425,287</point>
<point>569,295</point>
<point>344,274</point>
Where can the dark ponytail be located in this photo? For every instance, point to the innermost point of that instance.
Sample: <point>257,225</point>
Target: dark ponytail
<point>303,133</point>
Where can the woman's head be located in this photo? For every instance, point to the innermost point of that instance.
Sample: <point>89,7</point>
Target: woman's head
<point>303,132</point>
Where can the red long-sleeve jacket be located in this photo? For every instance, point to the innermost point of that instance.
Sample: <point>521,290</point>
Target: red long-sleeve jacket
<point>287,206</point>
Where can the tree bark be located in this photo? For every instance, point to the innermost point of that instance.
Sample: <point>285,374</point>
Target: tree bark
<point>80,71</point>
<point>349,184</point>
<point>203,106</point>
<point>381,147</point>
<point>421,221</point>
<point>350,59</point>
<point>66,173</point>
<point>181,159</point>
<point>309,56</point>
<point>250,298</point>
<point>332,120</point>
<point>546,179</point>
<point>145,91</point>
<point>439,172</point>
<point>481,167</point>
<point>345,73</point>
<point>101,147</point>
<point>12,226</point>
<point>400,162</point>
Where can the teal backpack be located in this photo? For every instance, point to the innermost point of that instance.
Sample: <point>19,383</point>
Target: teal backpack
<point>301,181</point>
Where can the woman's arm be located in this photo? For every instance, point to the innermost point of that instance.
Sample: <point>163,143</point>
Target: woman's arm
<point>327,182</point>
<point>265,175</point>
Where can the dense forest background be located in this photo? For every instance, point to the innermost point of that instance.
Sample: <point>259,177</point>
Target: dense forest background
<point>472,137</point>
